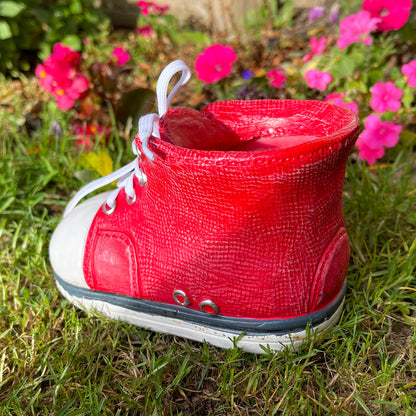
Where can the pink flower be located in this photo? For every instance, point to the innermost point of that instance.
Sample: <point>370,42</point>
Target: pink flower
<point>86,133</point>
<point>357,28</point>
<point>410,71</point>
<point>277,77</point>
<point>144,31</point>
<point>144,7</point>
<point>45,80</point>
<point>317,47</point>
<point>65,98</point>
<point>377,135</point>
<point>86,144</point>
<point>162,9</point>
<point>60,71</point>
<point>386,96</point>
<point>66,54</point>
<point>318,79</point>
<point>338,99</point>
<point>121,55</point>
<point>215,63</point>
<point>60,76</point>
<point>392,14</point>
<point>158,9</point>
<point>367,153</point>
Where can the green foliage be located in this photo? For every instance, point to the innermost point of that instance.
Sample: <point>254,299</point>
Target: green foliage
<point>29,29</point>
<point>166,34</point>
<point>277,13</point>
<point>58,360</point>
<point>357,68</point>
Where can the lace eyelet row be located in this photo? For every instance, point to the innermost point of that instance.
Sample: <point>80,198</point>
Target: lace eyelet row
<point>109,210</point>
<point>131,200</point>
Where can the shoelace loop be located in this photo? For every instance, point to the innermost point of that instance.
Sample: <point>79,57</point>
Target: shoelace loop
<point>148,127</point>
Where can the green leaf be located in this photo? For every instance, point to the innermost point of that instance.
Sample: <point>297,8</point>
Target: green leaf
<point>375,75</point>
<point>344,67</point>
<point>408,138</point>
<point>407,33</point>
<point>75,7</point>
<point>73,41</point>
<point>5,32</point>
<point>408,96</point>
<point>198,38</point>
<point>10,8</point>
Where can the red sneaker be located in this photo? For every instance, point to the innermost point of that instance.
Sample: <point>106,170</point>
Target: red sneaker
<point>216,239</point>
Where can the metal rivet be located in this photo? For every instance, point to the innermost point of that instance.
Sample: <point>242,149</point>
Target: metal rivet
<point>131,200</point>
<point>110,210</point>
<point>210,304</point>
<point>180,298</point>
<point>142,178</point>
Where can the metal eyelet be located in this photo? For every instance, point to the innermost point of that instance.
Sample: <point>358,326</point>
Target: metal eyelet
<point>142,179</point>
<point>180,298</point>
<point>208,306</point>
<point>108,211</point>
<point>131,200</point>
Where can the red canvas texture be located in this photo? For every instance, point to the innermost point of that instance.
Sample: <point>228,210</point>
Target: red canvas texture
<point>259,233</point>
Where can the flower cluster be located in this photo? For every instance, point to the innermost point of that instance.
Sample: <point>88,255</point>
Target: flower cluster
<point>317,47</point>
<point>339,99</point>
<point>86,133</point>
<point>144,31</point>
<point>377,135</point>
<point>277,77</point>
<point>386,96</point>
<point>410,71</point>
<point>149,8</point>
<point>357,28</point>
<point>376,15</point>
<point>89,82</point>
<point>122,56</point>
<point>390,15</point>
<point>318,79</point>
<point>60,75</point>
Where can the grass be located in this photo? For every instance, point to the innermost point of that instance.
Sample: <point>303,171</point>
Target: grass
<point>56,360</point>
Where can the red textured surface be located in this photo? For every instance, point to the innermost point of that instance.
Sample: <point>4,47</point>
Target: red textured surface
<point>185,127</point>
<point>245,229</point>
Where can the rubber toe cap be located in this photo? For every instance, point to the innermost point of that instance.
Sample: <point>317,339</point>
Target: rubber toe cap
<point>67,246</point>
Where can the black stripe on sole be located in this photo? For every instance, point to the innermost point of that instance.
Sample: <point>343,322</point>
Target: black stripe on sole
<point>249,326</point>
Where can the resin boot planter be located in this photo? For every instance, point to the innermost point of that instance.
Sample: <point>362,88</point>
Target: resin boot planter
<point>247,241</point>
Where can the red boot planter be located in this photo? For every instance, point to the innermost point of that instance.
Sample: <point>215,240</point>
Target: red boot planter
<point>229,222</point>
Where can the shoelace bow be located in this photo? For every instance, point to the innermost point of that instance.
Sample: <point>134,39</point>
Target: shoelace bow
<point>148,126</point>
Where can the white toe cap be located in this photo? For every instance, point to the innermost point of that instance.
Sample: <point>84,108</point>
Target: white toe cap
<point>67,246</point>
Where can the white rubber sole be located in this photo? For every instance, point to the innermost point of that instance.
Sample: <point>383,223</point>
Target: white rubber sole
<point>192,331</point>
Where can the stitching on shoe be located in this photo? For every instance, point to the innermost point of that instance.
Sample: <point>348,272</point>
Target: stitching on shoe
<point>340,234</point>
<point>89,271</point>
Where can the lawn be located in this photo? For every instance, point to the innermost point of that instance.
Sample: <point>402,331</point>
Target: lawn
<point>58,360</point>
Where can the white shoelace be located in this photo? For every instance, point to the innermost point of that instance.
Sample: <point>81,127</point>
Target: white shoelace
<point>148,126</point>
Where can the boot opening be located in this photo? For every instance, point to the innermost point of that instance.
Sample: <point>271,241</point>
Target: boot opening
<point>191,129</point>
